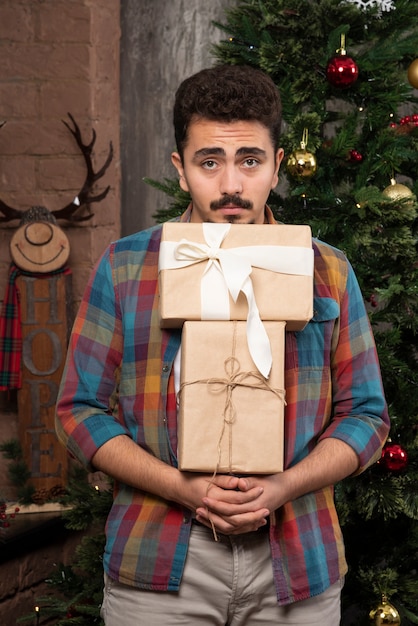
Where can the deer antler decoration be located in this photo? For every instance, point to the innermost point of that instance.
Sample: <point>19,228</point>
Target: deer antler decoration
<point>85,197</point>
<point>9,213</point>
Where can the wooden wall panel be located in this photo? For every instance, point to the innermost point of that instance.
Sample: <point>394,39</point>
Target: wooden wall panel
<point>162,43</point>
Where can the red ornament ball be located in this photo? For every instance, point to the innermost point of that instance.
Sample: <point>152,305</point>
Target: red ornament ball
<point>394,457</point>
<point>355,156</point>
<point>341,71</point>
<point>409,119</point>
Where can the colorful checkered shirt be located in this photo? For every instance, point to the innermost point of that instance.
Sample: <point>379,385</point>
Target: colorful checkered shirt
<point>116,380</point>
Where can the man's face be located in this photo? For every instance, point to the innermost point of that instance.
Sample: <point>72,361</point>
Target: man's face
<point>229,170</point>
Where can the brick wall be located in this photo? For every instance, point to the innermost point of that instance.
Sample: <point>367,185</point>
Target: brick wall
<point>22,580</point>
<point>57,56</point>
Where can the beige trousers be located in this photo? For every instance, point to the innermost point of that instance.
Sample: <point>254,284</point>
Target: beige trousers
<point>225,583</point>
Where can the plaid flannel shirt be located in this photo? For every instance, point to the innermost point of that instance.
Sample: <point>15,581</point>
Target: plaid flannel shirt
<point>115,383</point>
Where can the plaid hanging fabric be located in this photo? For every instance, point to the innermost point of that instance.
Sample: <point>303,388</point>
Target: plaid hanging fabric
<point>10,335</point>
<point>11,328</point>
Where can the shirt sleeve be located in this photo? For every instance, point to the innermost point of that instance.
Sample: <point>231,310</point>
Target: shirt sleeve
<point>360,415</point>
<point>85,419</point>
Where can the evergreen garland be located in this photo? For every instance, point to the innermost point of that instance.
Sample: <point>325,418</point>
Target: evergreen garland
<point>18,470</point>
<point>77,589</point>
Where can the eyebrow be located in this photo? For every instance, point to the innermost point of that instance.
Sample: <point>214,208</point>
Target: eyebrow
<point>244,150</point>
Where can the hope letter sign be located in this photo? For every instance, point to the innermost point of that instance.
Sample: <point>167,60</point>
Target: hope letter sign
<point>45,327</point>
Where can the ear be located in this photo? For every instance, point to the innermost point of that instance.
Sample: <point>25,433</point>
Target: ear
<point>278,159</point>
<point>177,162</point>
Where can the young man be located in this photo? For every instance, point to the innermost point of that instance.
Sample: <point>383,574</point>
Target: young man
<point>280,555</point>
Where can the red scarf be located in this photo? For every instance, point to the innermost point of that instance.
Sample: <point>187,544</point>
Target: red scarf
<point>11,329</point>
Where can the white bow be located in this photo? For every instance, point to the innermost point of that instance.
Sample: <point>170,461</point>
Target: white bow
<point>235,271</point>
<point>228,272</point>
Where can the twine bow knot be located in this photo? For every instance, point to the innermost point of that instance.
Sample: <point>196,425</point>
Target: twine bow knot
<point>235,378</point>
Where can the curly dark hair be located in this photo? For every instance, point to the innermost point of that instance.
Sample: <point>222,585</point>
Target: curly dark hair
<point>227,93</point>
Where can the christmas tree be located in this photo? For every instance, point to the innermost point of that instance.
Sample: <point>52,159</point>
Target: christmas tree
<point>346,71</point>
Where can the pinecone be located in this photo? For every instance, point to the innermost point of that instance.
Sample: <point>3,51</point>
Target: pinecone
<point>40,496</point>
<point>57,492</point>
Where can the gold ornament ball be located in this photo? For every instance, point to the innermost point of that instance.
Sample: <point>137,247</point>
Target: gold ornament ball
<point>301,164</point>
<point>413,74</point>
<point>397,191</point>
<point>384,613</point>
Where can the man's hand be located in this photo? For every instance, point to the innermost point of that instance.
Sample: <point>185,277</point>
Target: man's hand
<point>243,510</point>
<point>218,499</point>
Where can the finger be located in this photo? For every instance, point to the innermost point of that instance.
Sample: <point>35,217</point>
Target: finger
<point>246,483</point>
<point>234,525</point>
<point>225,482</point>
<point>234,516</point>
<point>233,497</point>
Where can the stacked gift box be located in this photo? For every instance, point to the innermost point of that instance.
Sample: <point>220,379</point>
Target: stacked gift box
<point>234,289</point>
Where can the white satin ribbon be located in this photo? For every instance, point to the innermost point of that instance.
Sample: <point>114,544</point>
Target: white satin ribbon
<point>228,272</point>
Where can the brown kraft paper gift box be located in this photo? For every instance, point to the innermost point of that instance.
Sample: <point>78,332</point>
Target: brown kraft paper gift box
<point>230,418</point>
<point>279,295</point>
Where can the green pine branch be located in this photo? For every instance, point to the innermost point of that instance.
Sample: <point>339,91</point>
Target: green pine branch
<point>77,588</point>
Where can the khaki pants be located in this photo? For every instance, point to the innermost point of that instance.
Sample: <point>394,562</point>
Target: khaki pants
<point>225,583</point>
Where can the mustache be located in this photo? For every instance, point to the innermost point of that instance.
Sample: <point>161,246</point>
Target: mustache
<point>231,199</point>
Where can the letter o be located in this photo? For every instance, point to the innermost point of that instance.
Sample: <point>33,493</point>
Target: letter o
<point>56,352</point>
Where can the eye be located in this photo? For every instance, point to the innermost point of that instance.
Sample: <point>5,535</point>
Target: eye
<point>209,164</point>
<point>251,162</point>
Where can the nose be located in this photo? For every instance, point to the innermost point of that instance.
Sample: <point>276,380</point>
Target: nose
<point>230,182</point>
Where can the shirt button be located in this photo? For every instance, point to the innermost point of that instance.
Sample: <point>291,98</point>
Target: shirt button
<point>165,368</point>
